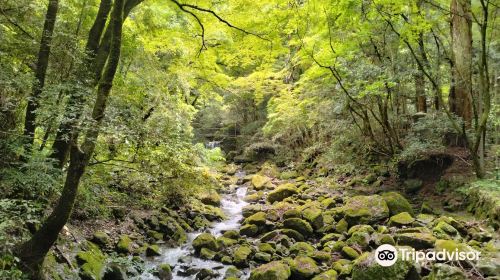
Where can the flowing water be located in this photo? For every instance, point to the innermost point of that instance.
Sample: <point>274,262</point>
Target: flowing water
<point>182,260</point>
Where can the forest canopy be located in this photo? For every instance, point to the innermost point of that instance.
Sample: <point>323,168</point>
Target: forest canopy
<point>111,106</point>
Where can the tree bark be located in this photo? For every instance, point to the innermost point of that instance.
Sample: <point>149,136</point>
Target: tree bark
<point>40,71</point>
<point>33,252</point>
<point>460,99</point>
<point>420,102</point>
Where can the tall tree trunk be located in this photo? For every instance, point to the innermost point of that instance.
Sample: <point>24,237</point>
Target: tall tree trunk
<point>40,71</point>
<point>420,102</point>
<point>460,98</point>
<point>33,252</point>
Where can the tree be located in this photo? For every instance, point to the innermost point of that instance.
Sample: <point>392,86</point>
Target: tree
<point>33,252</point>
<point>460,98</point>
<point>40,72</point>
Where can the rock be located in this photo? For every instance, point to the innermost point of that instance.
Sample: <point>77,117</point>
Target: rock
<point>365,209</point>
<point>165,272</point>
<point>322,256</point>
<point>341,226</point>
<point>297,236</point>
<point>171,228</point>
<point>204,240</point>
<point>361,228</point>
<point>359,239</point>
<point>299,225</point>
<point>241,255</point>
<point>231,234</point>
<point>287,175</point>
<point>397,203</point>
<point>292,213</point>
<point>258,219</point>
<point>401,219</point>
<point>91,261</point>
<point>101,239</point>
<point>258,181</point>
<point>443,230</point>
<point>329,237</point>
<point>425,218</point>
<point>207,254</point>
<point>303,267</point>
<point>301,248</point>
<point>314,216</point>
<point>381,239</point>
<point>365,267</point>
<point>212,198</point>
<point>266,248</point>
<point>254,197</point>
<point>489,266</point>
<point>124,245</point>
<point>275,270</point>
<point>155,235</point>
<point>223,242</point>
<point>350,252</point>
<point>251,209</point>
<point>249,230</point>
<point>263,257</point>
<point>206,274</point>
<point>412,185</point>
<point>343,267</point>
<point>327,275</point>
<point>153,250</point>
<point>417,240</point>
<point>441,271</point>
<point>115,271</point>
<point>281,192</point>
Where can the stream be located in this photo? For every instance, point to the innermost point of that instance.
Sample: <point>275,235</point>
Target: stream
<point>182,260</point>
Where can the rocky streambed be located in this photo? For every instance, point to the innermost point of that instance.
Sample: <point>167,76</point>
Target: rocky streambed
<point>279,225</point>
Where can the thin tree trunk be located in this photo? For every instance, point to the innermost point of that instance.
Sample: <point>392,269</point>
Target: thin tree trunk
<point>33,252</point>
<point>40,71</point>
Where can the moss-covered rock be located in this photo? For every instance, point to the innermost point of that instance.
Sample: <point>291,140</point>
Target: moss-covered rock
<point>287,175</point>
<point>153,250</point>
<point>425,218</point>
<point>341,226</point>
<point>258,219</point>
<point>205,240</point>
<point>350,253</point>
<point>452,246</point>
<point>231,234</point>
<point>249,230</point>
<point>401,219</point>
<point>397,203</point>
<point>417,240</point>
<point>211,198</point>
<point>267,248</point>
<point>258,181</point>
<point>292,213</point>
<point>224,242</point>
<point>281,192</point>
<point>91,262</point>
<point>241,255</point>
<point>299,225</point>
<point>443,230</point>
<point>365,267</point>
<point>361,228</point>
<point>301,248</point>
<point>412,185</point>
<point>254,197</point>
<point>207,254</point>
<point>303,267</point>
<point>314,216</point>
<point>101,239</point>
<point>365,209</point>
<point>262,257</point>
<point>359,239</point>
<point>165,272</point>
<point>275,270</point>
<point>327,275</point>
<point>173,230</point>
<point>124,244</point>
<point>441,271</point>
<point>381,239</point>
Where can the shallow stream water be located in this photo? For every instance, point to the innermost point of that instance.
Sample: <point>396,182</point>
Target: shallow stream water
<point>182,259</point>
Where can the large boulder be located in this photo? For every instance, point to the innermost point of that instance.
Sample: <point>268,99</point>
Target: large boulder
<point>204,240</point>
<point>258,219</point>
<point>212,198</point>
<point>299,225</point>
<point>365,209</point>
<point>366,267</point>
<point>397,203</point>
<point>281,192</point>
<point>303,267</point>
<point>275,270</point>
